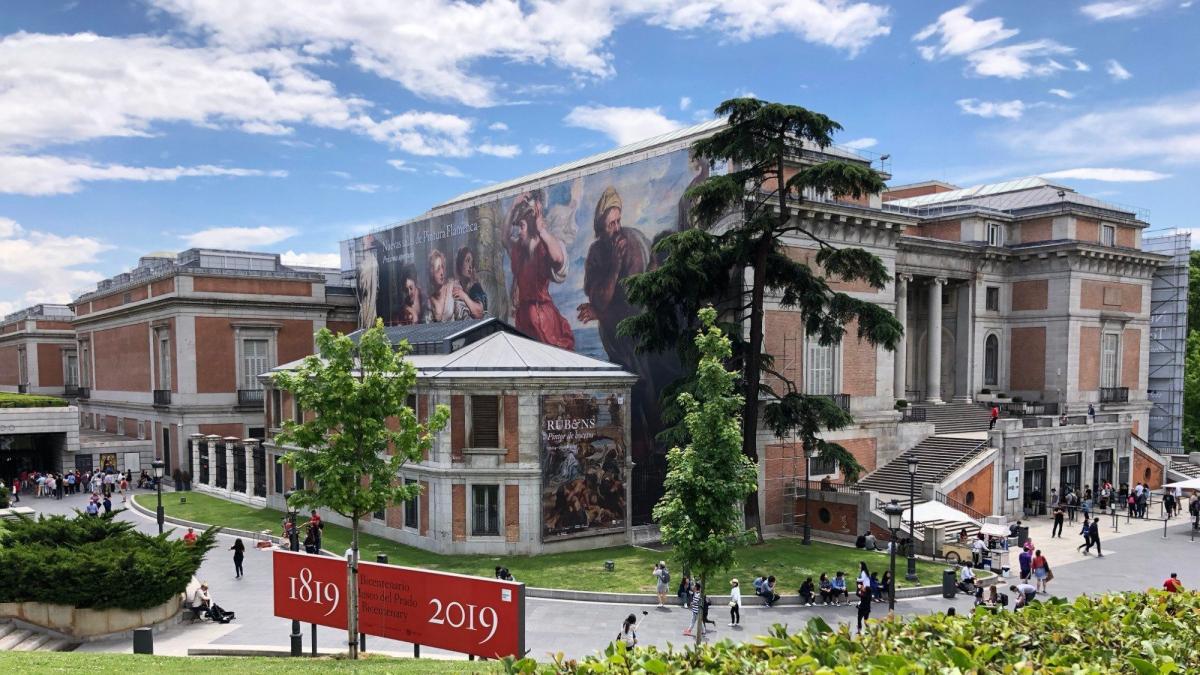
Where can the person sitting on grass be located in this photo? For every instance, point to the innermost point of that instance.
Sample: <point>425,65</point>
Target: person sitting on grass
<point>841,595</point>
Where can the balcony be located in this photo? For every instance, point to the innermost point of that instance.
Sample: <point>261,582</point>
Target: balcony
<point>162,397</point>
<point>71,391</point>
<point>83,393</point>
<point>1114,394</point>
<point>250,398</point>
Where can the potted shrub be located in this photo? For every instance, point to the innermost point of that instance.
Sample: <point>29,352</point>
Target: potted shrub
<point>985,390</point>
<point>901,404</point>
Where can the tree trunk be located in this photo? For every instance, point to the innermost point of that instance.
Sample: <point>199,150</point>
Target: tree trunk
<point>698,629</point>
<point>754,374</point>
<point>352,590</point>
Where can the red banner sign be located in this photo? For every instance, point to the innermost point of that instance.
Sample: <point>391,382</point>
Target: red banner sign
<point>472,615</point>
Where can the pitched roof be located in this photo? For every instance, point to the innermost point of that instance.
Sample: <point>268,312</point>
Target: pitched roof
<point>507,355</point>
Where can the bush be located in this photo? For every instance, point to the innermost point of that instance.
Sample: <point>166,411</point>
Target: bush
<point>901,404</point>
<point>985,391</point>
<point>11,400</point>
<point>1153,632</point>
<point>1001,394</point>
<point>1018,399</point>
<point>4,498</point>
<point>94,562</point>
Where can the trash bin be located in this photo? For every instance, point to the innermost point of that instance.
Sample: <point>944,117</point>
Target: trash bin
<point>949,579</point>
<point>143,641</point>
<point>1022,535</point>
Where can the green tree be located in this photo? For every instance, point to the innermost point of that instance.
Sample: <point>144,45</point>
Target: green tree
<point>347,450</point>
<point>737,256</point>
<point>1191,393</point>
<point>710,478</point>
<point>1194,291</point>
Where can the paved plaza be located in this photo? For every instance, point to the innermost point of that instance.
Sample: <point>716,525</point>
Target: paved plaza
<point>1137,557</point>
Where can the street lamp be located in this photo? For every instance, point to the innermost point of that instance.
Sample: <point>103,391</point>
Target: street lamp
<point>812,454</point>
<point>293,545</point>
<point>894,512</point>
<point>158,476</point>
<point>912,519</point>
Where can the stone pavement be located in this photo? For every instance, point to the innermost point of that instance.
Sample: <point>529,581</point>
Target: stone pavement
<point>1138,558</point>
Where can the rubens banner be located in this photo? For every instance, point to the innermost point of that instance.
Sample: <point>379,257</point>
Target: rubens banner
<point>471,615</point>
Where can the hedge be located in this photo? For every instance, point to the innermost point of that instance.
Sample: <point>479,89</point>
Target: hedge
<point>11,400</point>
<point>94,562</point>
<point>1143,633</point>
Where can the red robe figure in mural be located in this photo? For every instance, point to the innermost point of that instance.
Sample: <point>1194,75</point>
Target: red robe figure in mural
<point>537,259</point>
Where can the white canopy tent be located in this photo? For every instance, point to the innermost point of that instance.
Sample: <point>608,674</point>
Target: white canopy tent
<point>1189,484</point>
<point>937,512</point>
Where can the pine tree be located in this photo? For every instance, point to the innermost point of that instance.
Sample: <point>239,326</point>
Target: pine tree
<point>736,257</point>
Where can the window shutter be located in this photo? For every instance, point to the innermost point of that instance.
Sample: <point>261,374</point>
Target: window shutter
<point>485,422</point>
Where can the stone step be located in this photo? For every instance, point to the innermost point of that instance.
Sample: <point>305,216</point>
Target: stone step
<point>14,638</point>
<point>57,645</point>
<point>32,643</point>
<point>6,628</point>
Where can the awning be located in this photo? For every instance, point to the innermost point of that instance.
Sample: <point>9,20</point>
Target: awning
<point>937,511</point>
<point>1189,484</point>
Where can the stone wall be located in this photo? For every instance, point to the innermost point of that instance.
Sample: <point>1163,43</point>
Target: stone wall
<point>89,624</point>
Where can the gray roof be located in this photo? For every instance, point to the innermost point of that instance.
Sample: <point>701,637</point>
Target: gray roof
<point>1010,196</point>
<point>438,331</point>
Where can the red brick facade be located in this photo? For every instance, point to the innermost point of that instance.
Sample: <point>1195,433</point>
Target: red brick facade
<point>512,513</point>
<point>1030,295</point>
<point>1131,357</point>
<point>1111,296</point>
<point>512,438</point>
<point>1027,358</point>
<point>859,374</point>
<point>458,507</point>
<point>976,491</point>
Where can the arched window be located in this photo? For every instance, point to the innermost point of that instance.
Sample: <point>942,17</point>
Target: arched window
<point>991,360</point>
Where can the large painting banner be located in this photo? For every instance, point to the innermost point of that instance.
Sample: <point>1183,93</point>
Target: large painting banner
<point>583,464</point>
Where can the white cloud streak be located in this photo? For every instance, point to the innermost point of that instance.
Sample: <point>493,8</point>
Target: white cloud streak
<point>41,175</point>
<point>1109,175</point>
<point>956,34</point>
<point>1116,71</point>
<point>1062,93</point>
<point>239,238</point>
<point>1007,109</point>
<point>1121,9</point>
<point>860,143</point>
<point>623,125</point>
<point>37,266</point>
<point>332,260</point>
<point>496,150</point>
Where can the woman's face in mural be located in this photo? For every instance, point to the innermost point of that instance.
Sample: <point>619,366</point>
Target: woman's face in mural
<point>437,271</point>
<point>467,269</point>
<point>410,289</point>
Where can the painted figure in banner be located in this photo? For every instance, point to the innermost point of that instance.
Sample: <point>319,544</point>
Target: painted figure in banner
<point>537,258</point>
<point>411,305</point>
<point>470,301</point>
<point>368,283</point>
<point>440,305</point>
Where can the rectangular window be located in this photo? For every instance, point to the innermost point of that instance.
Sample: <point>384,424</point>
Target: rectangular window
<point>1108,359</point>
<point>141,430</point>
<point>822,466</point>
<point>71,376</point>
<point>120,426</point>
<point>22,368</point>
<point>993,298</point>
<point>299,481</point>
<point>818,380</point>
<point>164,360</point>
<point>380,515</point>
<point>485,520</point>
<point>485,421</point>
<point>84,365</point>
<point>1108,235</point>
<point>254,363</point>
<point>276,409</point>
<point>995,234</point>
<point>412,509</point>
<point>278,474</point>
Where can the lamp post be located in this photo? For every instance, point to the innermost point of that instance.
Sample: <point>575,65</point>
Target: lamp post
<point>894,512</point>
<point>158,476</point>
<point>811,455</point>
<point>297,638</point>
<point>912,518</point>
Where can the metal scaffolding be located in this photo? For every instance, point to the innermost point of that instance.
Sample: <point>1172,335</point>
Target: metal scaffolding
<point>1168,339</point>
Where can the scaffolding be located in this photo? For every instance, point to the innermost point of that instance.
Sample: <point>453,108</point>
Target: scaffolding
<point>1168,339</point>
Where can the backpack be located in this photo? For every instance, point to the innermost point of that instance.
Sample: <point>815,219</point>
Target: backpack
<point>666,576</point>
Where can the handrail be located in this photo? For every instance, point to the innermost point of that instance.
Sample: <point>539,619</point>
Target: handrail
<point>955,504</point>
<point>816,486</point>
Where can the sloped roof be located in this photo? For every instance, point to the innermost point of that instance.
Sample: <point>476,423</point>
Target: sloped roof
<point>513,355</point>
<point>1011,195</point>
<point>437,331</point>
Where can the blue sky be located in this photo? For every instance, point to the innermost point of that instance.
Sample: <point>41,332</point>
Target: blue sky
<point>131,126</point>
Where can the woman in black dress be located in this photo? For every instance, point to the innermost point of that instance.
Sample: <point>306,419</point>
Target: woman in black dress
<point>239,554</point>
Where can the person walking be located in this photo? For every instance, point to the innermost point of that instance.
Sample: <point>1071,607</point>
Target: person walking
<point>16,491</point>
<point>1085,532</point>
<point>662,579</point>
<point>1056,531</point>
<point>696,602</point>
<point>1025,560</point>
<point>1094,536</point>
<point>1041,570</point>
<point>994,416</point>
<point>864,604</point>
<point>735,603</point>
<point>1072,502</point>
<point>107,505</point>
<point>124,487</point>
<point>239,554</point>
<point>1173,584</point>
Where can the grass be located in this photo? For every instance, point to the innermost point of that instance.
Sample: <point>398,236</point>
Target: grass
<point>785,558</point>
<point>11,400</point>
<point>123,664</point>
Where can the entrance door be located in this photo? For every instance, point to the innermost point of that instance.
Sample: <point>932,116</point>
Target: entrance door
<point>1102,469</point>
<point>1068,472</point>
<point>1035,485</point>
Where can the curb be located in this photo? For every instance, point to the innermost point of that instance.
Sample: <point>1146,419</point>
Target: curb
<point>558,593</point>
<point>263,650</point>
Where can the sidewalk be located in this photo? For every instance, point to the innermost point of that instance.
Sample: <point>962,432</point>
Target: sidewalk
<point>1060,551</point>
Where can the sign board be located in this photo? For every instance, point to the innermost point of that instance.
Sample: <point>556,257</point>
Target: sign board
<point>583,464</point>
<point>1014,483</point>
<point>471,615</point>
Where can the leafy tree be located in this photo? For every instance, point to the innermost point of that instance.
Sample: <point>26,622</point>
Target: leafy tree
<point>1191,393</point>
<point>737,256</point>
<point>707,480</point>
<point>1194,291</point>
<point>346,449</point>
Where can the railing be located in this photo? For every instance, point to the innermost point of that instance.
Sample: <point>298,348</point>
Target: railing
<point>83,393</point>
<point>162,397</point>
<point>71,391</point>
<point>250,398</point>
<point>22,388</point>
<point>1114,394</point>
<point>955,504</point>
<point>912,414</point>
<point>818,487</point>
<point>841,400</point>
<point>912,395</point>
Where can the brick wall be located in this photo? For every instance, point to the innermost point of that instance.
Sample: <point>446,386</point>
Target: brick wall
<point>1122,297</point>
<point>976,491</point>
<point>117,299</point>
<point>122,358</point>
<point>1089,358</point>
<point>1030,295</point>
<point>784,462</point>
<point>343,327</point>
<point>216,366</point>
<point>50,365</point>
<point>131,425</point>
<point>458,511</point>
<point>163,286</point>
<point>915,191</point>
<point>512,439</point>
<point>251,286</point>
<point>863,450</point>
<point>808,256</point>
<point>950,230</point>
<point>10,372</point>
<point>859,377</point>
<point>782,333</point>
<point>1087,229</point>
<point>295,340</point>
<point>1131,353</point>
<point>1038,229</point>
<point>458,427</point>
<point>53,325</point>
<point>223,430</point>
<point>395,517</point>
<point>1027,358</point>
<point>1125,236</point>
<point>842,518</point>
<point>512,513</point>
<point>424,508</point>
<point>1142,464</point>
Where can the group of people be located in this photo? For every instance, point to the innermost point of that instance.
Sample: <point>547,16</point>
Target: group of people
<point>54,485</point>
<point>312,533</point>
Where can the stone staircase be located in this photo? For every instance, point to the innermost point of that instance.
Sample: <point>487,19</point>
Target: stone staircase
<point>1184,469</point>
<point>14,638</point>
<point>955,418</point>
<point>937,458</point>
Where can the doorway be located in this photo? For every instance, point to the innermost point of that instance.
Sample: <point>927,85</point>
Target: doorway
<point>1068,472</point>
<point>1035,486</point>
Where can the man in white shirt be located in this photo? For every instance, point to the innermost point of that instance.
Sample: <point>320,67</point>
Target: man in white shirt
<point>977,549</point>
<point>966,579</point>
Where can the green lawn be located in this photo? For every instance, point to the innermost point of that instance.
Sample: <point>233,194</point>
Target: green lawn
<point>785,558</point>
<point>123,664</point>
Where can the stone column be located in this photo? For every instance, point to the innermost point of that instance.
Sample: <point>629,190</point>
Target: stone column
<point>194,442</point>
<point>933,370</point>
<point>964,343</point>
<point>900,358</point>
<point>229,442</point>
<point>249,445</point>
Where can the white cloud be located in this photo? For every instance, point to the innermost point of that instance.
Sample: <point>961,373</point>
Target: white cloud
<point>1080,66</point>
<point>39,175</point>
<point>311,259</point>
<point>860,143</point>
<point>401,165</point>
<point>1008,109</point>
<point>499,150</point>
<point>956,34</point>
<point>1116,71</point>
<point>1062,93</point>
<point>685,102</point>
<point>543,149</point>
<point>37,266</point>
<point>344,175</point>
<point>239,238</point>
<point>498,126</point>
<point>369,188</point>
<point>1109,175</point>
<point>431,46</point>
<point>1121,9</point>
<point>1166,129</point>
<point>623,125</point>
<point>447,170</point>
